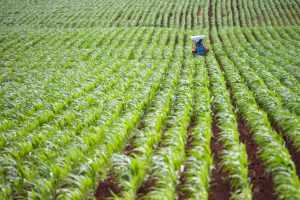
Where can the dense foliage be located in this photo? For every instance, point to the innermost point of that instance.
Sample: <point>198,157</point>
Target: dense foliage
<point>103,98</point>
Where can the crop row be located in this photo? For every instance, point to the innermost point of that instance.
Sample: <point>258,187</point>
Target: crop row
<point>255,13</point>
<point>274,155</point>
<point>188,14</point>
<point>62,136</point>
<point>233,154</point>
<point>129,168</point>
<point>267,98</point>
<point>105,97</point>
<point>56,148</point>
<point>111,13</point>
<point>50,106</point>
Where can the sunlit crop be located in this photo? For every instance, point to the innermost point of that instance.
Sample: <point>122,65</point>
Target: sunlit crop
<point>103,99</point>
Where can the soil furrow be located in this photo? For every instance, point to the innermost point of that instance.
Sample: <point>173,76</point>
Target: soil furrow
<point>107,187</point>
<point>291,148</point>
<point>219,185</point>
<point>262,182</point>
<point>188,146</point>
<point>110,186</point>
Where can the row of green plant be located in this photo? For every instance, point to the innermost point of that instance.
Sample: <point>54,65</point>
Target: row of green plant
<point>76,190</point>
<point>56,81</point>
<point>57,117</point>
<point>283,47</point>
<point>63,132</point>
<point>45,107</point>
<point>287,59</point>
<point>266,57</point>
<point>233,154</point>
<point>42,145</point>
<point>254,13</point>
<point>289,98</point>
<point>286,11</point>
<point>266,98</point>
<point>82,14</point>
<point>272,152</point>
<point>169,158</point>
<point>199,159</point>
<point>179,14</point>
<point>85,110</point>
<point>129,168</point>
<point>290,33</point>
<point>115,138</point>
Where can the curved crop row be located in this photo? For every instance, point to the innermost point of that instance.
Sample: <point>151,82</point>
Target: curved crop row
<point>169,157</point>
<point>288,121</point>
<point>198,164</point>
<point>233,155</point>
<point>274,155</point>
<point>290,99</point>
<point>128,171</point>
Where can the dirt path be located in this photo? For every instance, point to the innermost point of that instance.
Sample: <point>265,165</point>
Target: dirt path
<point>261,181</point>
<point>189,145</point>
<point>219,185</point>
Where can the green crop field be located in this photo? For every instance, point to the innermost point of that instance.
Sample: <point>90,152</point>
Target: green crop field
<point>103,99</point>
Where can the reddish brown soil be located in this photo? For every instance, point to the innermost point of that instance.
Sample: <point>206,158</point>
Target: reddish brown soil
<point>219,186</point>
<point>189,142</point>
<point>181,194</point>
<point>199,12</point>
<point>106,188</point>
<point>146,187</point>
<point>130,148</point>
<point>149,182</point>
<point>109,186</point>
<point>294,153</point>
<point>262,182</point>
<point>291,148</point>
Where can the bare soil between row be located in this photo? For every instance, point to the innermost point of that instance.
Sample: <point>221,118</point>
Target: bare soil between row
<point>219,185</point>
<point>261,181</point>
